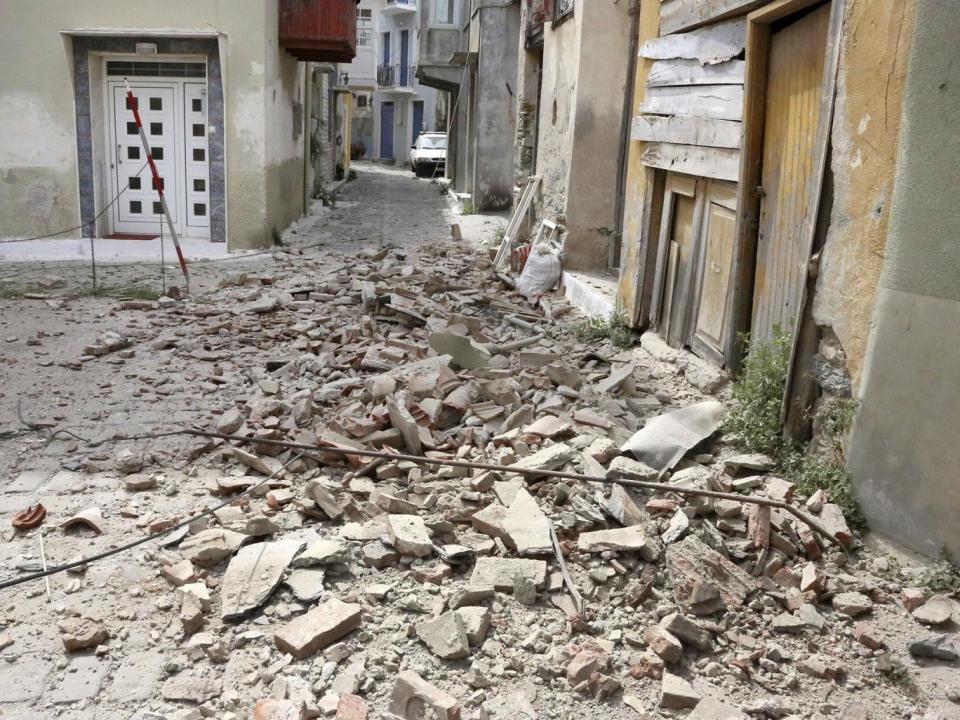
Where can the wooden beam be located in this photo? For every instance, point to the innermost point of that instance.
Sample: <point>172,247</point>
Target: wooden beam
<point>691,72</point>
<point>686,130</point>
<point>720,102</point>
<point>680,15</point>
<point>709,46</point>
<point>719,163</point>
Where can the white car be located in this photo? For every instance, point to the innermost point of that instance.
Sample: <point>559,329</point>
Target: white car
<point>429,152</point>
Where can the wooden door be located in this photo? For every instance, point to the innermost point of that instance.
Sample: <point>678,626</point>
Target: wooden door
<point>794,88</point>
<point>678,231</point>
<point>715,264</point>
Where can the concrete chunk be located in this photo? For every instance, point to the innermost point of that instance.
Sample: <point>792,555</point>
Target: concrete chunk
<point>409,535</point>
<point>476,621</point>
<point>548,458</point>
<point>413,697</point>
<point>527,526</point>
<point>628,539</point>
<point>676,693</point>
<point>710,709</point>
<point>253,574</point>
<point>324,624</point>
<point>445,636</point>
<point>502,572</point>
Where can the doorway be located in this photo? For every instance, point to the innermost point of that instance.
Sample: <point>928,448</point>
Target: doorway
<point>386,131</point>
<point>795,81</point>
<point>417,126</point>
<point>173,111</point>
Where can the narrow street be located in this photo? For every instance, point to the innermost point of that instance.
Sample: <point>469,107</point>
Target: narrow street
<point>428,591</point>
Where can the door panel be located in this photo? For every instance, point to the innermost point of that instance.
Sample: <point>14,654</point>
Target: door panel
<point>677,234</point>
<point>716,263</point>
<point>795,72</point>
<point>138,209</point>
<point>386,131</point>
<point>417,119</point>
<point>196,158</point>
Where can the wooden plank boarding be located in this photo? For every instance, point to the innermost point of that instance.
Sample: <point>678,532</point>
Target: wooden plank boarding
<point>680,15</point>
<point>691,72</point>
<point>709,46</point>
<point>686,130</point>
<point>719,163</point>
<point>721,102</point>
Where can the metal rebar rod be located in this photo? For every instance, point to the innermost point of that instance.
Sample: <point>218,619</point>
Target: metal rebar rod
<point>529,472</point>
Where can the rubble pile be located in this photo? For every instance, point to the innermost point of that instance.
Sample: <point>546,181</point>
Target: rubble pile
<point>355,587</point>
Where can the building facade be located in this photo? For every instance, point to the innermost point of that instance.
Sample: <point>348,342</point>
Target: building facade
<point>237,115</point>
<point>392,107</point>
<point>469,49</point>
<point>787,178</point>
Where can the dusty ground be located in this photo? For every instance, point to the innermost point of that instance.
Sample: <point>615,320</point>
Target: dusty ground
<point>191,361</point>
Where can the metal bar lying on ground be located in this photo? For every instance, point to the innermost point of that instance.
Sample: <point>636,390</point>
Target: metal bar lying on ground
<point>557,474</point>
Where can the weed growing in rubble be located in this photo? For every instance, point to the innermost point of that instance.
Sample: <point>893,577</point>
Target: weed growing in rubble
<point>897,674</point>
<point>615,329</point>
<point>943,576</point>
<point>754,423</point>
<point>754,420</point>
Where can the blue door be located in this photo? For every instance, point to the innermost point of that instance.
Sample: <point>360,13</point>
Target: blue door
<point>386,131</point>
<point>417,120</point>
<point>404,62</point>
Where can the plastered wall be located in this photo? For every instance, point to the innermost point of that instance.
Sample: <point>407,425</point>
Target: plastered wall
<point>903,449</point>
<point>38,161</point>
<point>866,128</point>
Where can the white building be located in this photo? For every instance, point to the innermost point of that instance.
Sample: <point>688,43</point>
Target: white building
<point>392,108</point>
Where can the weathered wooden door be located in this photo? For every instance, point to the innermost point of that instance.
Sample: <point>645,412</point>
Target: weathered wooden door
<point>678,233</point>
<point>794,87</point>
<point>715,263</point>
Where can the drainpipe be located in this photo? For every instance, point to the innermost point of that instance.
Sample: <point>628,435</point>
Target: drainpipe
<point>626,119</point>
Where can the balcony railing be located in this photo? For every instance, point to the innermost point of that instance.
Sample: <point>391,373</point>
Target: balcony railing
<point>396,76</point>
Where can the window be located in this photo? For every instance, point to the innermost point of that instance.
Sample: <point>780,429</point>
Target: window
<point>136,207</point>
<point>134,183</point>
<point>156,153</point>
<point>199,155</point>
<point>198,129</point>
<point>133,152</point>
<point>157,208</point>
<point>156,103</point>
<point>361,101</point>
<point>444,12</point>
<point>156,69</point>
<point>562,9</point>
<point>132,128</point>
<point>199,185</point>
<point>199,209</point>
<point>156,128</point>
<point>197,104</point>
<point>364,27</point>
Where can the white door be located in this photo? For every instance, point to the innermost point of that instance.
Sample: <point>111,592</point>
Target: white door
<point>138,209</point>
<point>196,173</point>
<point>174,117</point>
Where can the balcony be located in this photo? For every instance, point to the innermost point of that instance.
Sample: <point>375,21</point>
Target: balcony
<point>319,30</point>
<point>396,77</point>
<point>397,7</point>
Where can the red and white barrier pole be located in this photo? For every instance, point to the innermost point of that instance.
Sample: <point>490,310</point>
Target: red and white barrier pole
<point>157,183</point>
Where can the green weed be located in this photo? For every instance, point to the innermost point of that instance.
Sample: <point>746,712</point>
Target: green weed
<point>943,576</point>
<point>615,329</point>
<point>754,424</point>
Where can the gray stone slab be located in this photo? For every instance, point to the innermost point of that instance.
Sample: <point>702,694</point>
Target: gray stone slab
<point>82,679</point>
<point>136,678</point>
<point>253,574</point>
<point>24,680</point>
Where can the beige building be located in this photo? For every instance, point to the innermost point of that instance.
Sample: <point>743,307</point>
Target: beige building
<point>793,164</point>
<point>238,115</point>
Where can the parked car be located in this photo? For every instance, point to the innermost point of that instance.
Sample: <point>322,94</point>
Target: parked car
<point>429,152</point>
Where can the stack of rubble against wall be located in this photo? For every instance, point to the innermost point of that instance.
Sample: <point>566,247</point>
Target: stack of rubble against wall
<point>344,585</point>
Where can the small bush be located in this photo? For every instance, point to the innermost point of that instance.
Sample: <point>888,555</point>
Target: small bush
<point>754,423</point>
<point>943,576</point>
<point>615,329</point>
